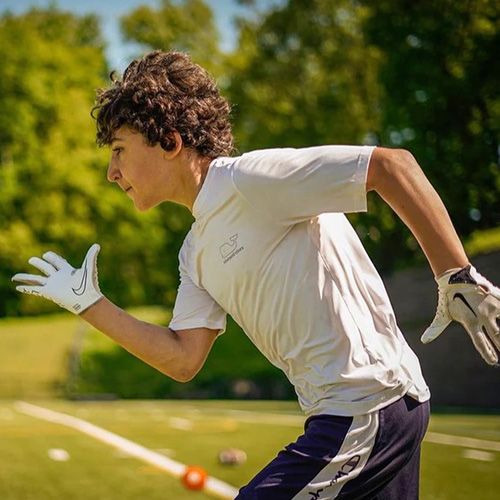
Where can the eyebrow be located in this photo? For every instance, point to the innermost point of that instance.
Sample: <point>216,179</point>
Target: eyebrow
<point>114,139</point>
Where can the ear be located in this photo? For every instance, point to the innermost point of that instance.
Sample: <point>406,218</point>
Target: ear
<point>170,155</point>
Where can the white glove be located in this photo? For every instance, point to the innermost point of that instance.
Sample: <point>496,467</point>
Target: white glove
<point>74,289</point>
<point>469,298</point>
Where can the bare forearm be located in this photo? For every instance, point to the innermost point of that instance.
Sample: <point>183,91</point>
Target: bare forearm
<point>406,189</point>
<point>158,346</point>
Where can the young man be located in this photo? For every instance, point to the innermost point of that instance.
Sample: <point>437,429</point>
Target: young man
<point>271,246</point>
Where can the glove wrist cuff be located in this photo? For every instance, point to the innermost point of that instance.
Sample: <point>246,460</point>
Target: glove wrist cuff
<point>83,303</point>
<point>91,302</point>
<point>446,274</point>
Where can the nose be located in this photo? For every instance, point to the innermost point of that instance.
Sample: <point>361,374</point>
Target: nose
<point>113,173</point>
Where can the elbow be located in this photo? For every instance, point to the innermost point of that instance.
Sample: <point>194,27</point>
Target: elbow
<point>386,164</point>
<point>189,356</point>
<point>182,375</point>
<point>187,376</point>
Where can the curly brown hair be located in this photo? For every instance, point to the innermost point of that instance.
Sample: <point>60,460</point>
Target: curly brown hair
<point>161,93</point>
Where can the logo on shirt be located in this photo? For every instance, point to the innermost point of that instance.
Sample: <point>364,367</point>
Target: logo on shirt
<point>230,248</point>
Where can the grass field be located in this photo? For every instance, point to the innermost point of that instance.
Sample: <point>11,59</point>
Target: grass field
<point>34,352</point>
<point>193,433</point>
<point>34,356</point>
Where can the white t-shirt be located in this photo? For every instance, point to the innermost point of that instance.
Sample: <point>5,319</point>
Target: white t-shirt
<point>271,246</point>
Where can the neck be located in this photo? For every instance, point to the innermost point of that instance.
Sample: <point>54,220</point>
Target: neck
<point>195,169</point>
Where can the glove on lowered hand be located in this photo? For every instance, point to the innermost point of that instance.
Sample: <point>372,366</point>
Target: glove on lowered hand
<point>74,289</point>
<point>469,298</point>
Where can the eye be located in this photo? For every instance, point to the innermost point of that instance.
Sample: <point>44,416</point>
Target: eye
<point>117,151</point>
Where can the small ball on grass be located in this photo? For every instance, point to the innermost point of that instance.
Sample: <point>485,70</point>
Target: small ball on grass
<point>194,477</point>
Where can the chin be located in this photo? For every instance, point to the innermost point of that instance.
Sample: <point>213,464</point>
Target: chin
<point>145,205</point>
<point>141,206</point>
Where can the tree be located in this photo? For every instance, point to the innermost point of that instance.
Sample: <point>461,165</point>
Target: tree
<point>53,189</point>
<point>440,100</point>
<point>186,26</point>
<point>419,75</point>
<point>303,75</point>
<point>50,62</point>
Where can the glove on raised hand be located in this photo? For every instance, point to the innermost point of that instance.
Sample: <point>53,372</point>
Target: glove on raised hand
<point>74,289</point>
<point>469,298</point>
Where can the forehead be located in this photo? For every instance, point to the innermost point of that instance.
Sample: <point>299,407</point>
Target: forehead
<point>126,134</point>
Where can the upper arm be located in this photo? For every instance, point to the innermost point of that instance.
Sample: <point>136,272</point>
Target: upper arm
<point>194,307</point>
<point>396,176</point>
<point>295,185</point>
<point>197,320</point>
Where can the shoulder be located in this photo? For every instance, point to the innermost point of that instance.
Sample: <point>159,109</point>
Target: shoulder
<point>260,156</point>
<point>283,161</point>
<point>186,249</point>
<point>267,164</point>
<point>273,166</point>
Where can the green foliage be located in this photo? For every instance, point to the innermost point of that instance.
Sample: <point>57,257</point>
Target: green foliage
<point>186,26</point>
<point>485,241</point>
<point>303,76</point>
<point>440,100</point>
<point>51,61</point>
<point>417,75</point>
<point>53,189</point>
<point>414,75</point>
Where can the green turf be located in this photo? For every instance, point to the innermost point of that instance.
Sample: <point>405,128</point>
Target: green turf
<point>93,471</point>
<point>475,426</point>
<point>33,354</point>
<point>34,363</point>
<point>96,470</point>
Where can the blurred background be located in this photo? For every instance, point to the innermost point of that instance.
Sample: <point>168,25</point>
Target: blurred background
<point>417,75</point>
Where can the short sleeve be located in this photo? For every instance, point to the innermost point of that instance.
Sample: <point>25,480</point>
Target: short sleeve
<point>293,185</point>
<point>195,308</point>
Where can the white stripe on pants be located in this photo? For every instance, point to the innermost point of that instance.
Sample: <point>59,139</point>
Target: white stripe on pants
<point>347,464</point>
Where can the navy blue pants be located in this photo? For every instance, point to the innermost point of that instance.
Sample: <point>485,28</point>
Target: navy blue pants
<point>374,456</point>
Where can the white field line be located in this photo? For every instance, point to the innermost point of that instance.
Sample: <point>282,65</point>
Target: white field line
<point>266,418</point>
<point>462,441</point>
<point>431,437</point>
<point>213,486</point>
<point>252,417</point>
<point>483,456</point>
<point>297,420</point>
<point>182,424</point>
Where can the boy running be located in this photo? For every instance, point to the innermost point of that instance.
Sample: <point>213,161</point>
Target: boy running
<point>271,246</point>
